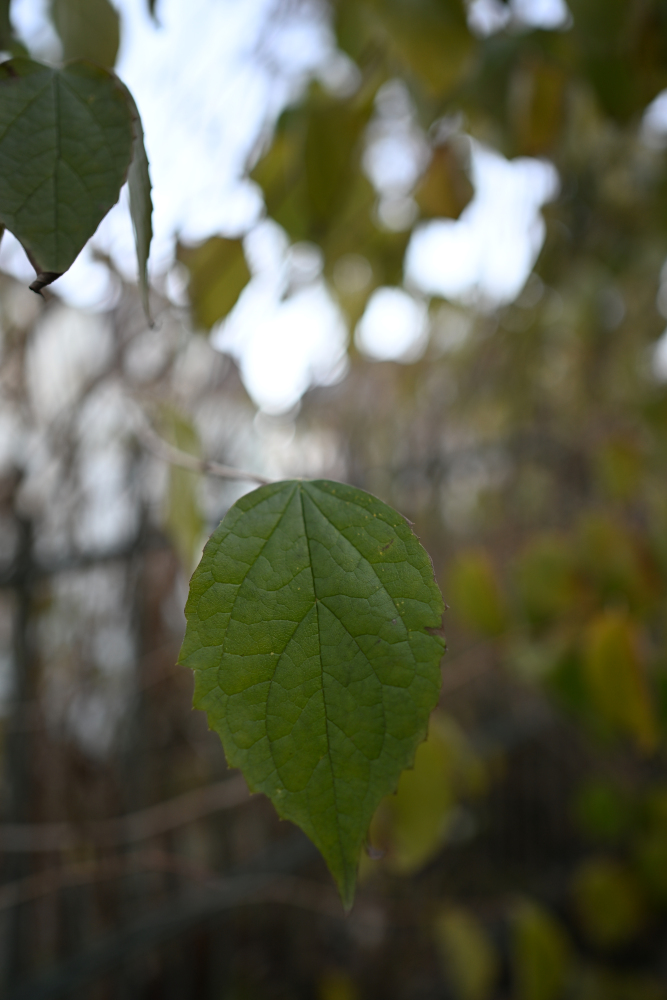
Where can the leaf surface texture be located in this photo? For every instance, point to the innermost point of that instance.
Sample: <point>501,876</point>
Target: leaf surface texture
<point>309,623</point>
<point>66,140</point>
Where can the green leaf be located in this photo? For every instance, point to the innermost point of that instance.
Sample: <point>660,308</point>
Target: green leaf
<point>309,630</point>
<point>65,149</point>
<point>141,203</point>
<point>218,275</point>
<point>88,29</point>
<point>6,33</point>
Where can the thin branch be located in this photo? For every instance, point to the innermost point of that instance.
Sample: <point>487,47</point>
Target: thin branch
<point>161,449</point>
<point>130,829</point>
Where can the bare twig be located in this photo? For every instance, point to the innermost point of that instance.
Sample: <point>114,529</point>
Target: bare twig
<point>130,829</point>
<point>161,449</point>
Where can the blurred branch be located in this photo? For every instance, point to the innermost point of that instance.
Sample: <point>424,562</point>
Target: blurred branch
<point>43,883</point>
<point>141,825</point>
<point>78,561</point>
<point>267,880</point>
<point>161,449</point>
<point>187,910</point>
<point>299,892</point>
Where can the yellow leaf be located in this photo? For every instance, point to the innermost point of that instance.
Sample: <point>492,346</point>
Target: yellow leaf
<point>411,826</point>
<point>536,106</point>
<point>337,985</point>
<point>619,466</point>
<point>616,678</point>
<point>468,957</point>
<point>445,189</point>
<point>183,520</point>
<point>608,902</point>
<point>218,275</point>
<point>613,561</point>
<point>540,954</point>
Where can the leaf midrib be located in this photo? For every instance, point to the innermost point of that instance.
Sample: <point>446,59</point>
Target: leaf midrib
<point>58,150</point>
<point>324,699</point>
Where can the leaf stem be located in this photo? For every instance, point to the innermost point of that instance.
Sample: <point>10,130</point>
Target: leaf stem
<point>162,449</point>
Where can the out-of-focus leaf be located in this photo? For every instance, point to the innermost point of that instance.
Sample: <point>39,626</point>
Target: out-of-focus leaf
<point>617,680</point>
<point>603,812</point>
<point>540,954</point>
<point>534,659</point>
<point>468,957</point>
<point>332,137</point>
<point>610,558</point>
<point>354,231</point>
<point>537,97</point>
<point>218,275</point>
<point>310,169</point>
<point>141,203</point>
<point>608,901</point>
<point>445,189</point>
<point>312,621</point>
<point>474,594</point>
<point>65,149</point>
<point>651,864</point>
<point>544,577</point>
<point>411,826</point>
<point>430,38</point>
<point>88,29</point>
<point>623,50</point>
<point>183,520</point>
<point>6,33</point>
<point>603,984</point>
<point>619,467</point>
<point>337,985</point>
<point>650,849</point>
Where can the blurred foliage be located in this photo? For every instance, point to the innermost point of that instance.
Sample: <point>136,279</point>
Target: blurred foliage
<point>476,593</point>
<point>218,274</point>
<point>183,518</point>
<point>540,954</point>
<point>88,29</point>
<point>525,855</point>
<point>469,958</point>
<point>609,903</point>
<point>410,827</point>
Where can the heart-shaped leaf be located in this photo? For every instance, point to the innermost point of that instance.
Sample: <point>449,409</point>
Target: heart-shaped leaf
<point>66,143</point>
<point>312,623</point>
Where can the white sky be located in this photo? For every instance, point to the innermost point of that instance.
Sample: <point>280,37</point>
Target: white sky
<point>205,96</point>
